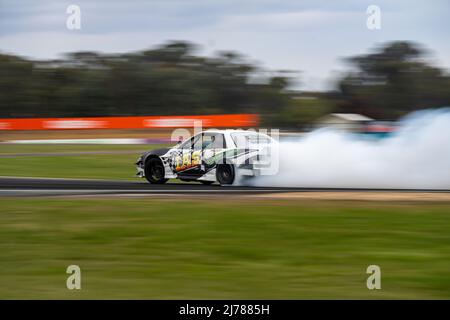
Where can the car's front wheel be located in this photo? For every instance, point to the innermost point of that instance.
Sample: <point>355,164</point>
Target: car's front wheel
<point>154,171</point>
<point>225,173</point>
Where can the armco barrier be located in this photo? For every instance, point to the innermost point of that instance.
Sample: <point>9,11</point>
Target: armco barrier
<point>206,121</point>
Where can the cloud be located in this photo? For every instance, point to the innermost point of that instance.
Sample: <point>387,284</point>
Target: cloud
<point>310,36</point>
<point>285,21</point>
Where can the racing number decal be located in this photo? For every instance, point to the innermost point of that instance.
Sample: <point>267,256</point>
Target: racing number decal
<point>196,159</point>
<point>178,162</point>
<point>187,160</point>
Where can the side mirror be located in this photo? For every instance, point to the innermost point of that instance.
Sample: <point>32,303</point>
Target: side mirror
<point>180,140</point>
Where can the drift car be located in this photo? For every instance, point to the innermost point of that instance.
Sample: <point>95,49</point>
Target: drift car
<point>208,157</point>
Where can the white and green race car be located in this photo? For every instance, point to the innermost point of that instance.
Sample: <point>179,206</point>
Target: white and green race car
<point>211,156</point>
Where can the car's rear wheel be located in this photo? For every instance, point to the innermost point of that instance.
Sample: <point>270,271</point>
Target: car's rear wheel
<point>225,173</point>
<point>154,171</point>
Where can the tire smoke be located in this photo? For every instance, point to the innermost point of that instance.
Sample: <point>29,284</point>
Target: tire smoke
<point>416,156</point>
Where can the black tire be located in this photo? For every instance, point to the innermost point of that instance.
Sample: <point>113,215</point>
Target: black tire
<point>206,183</point>
<point>154,171</point>
<point>225,173</point>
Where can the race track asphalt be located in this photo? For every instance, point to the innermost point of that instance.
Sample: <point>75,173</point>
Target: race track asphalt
<point>13,186</point>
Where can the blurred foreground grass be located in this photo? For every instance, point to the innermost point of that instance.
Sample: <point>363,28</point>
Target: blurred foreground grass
<point>88,166</point>
<point>141,248</point>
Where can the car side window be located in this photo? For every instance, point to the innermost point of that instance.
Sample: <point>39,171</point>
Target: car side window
<point>213,141</point>
<point>197,145</point>
<point>189,144</point>
<point>186,145</point>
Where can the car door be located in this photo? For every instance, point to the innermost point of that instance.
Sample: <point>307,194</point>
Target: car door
<point>185,160</point>
<point>198,155</point>
<point>212,150</point>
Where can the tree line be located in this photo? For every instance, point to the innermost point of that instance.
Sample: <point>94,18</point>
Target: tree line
<point>173,80</point>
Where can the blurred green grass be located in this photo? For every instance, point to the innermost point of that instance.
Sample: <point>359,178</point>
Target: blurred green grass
<point>116,166</point>
<point>193,249</point>
<point>88,166</point>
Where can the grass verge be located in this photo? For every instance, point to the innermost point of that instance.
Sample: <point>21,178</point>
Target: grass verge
<point>86,166</point>
<point>193,249</point>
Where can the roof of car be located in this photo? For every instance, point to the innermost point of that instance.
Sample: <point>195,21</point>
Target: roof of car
<point>227,130</point>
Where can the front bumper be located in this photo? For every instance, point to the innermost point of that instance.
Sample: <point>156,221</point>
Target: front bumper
<point>140,172</point>
<point>140,168</point>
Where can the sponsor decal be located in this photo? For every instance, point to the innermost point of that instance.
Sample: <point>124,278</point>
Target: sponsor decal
<point>4,126</point>
<point>207,121</point>
<point>187,160</point>
<point>172,123</point>
<point>74,124</point>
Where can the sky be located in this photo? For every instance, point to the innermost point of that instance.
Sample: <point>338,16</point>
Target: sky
<point>311,38</point>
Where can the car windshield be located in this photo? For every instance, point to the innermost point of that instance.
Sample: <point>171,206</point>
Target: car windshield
<point>245,139</point>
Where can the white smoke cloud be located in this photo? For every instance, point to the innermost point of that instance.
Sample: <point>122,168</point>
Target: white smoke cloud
<point>417,156</point>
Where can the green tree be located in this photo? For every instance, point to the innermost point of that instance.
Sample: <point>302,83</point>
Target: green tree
<point>392,81</point>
